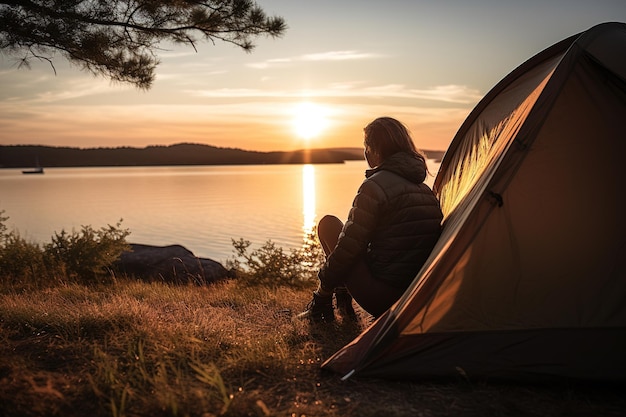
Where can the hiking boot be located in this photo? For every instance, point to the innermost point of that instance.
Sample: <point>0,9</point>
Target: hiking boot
<point>319,310</point>
<point>344,304</point>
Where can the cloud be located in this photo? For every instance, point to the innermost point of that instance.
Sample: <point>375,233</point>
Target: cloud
<point>338,56</point>
<point>171,54</point>
<point>317,57</point>
<point>270,63</point>
<point>445,93</point>
<point>78,89</point>
<point>261,123</point>
<point>238,93</point>
<point>184,77</point>
<point>39,87</point>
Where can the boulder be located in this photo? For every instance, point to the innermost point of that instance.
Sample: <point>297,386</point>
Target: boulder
<point>173,263</point>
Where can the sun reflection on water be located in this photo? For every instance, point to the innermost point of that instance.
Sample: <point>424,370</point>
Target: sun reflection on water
<point>308,199</point>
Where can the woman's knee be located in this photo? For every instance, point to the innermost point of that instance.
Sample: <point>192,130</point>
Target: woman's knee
<point>329,222</point>
<point>328,230</point>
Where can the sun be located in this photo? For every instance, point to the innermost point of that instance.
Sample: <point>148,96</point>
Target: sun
<point>309,120</point>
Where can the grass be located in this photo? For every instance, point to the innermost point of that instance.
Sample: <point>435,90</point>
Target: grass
<point>130,348</point>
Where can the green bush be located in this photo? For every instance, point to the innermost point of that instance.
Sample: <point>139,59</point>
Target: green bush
<point>20,258</point>
<point>3,227</point>
<point>78,256</point>
<point>87,255</point>
<point>272,266</point>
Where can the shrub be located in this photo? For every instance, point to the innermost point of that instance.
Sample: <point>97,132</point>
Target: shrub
<point>88,254</point>
<point>78,256</point>
<point>272,266</point>
<point>3,228</point>
<point>20,258</point>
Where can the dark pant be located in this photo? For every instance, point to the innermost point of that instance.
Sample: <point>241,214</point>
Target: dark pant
<point>373,295</point>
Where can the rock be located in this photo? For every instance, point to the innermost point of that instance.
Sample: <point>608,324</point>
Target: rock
<point>174,263</point>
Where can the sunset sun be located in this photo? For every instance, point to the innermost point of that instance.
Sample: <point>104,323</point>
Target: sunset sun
<point>309,120</point>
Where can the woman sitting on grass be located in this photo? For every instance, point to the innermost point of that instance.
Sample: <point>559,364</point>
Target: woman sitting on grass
<point>391,229</point>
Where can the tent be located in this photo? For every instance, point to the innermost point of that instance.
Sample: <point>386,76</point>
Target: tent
<point>528,280</point>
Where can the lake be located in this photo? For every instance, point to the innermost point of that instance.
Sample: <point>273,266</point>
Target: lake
<point>199,207</point>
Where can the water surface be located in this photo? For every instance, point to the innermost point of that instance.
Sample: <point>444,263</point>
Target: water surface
<point>199,207</point>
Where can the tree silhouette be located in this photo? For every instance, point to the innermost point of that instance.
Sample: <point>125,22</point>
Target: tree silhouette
<point>119,38</point>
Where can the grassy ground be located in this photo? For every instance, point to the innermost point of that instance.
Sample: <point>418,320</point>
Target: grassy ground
<point>149,349</point>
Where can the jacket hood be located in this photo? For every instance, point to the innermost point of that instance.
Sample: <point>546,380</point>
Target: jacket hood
<point>406,165</point>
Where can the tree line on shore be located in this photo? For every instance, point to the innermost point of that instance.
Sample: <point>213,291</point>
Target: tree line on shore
<point>21,156</point>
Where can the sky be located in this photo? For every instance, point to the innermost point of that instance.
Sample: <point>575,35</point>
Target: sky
<point>339,65</point>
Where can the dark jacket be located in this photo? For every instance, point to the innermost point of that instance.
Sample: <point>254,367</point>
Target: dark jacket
<point>395,221</point>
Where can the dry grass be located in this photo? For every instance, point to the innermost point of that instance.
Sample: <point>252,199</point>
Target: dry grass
<point>149,349</point>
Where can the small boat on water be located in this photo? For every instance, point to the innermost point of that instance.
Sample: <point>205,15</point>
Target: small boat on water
<point>37,170</point>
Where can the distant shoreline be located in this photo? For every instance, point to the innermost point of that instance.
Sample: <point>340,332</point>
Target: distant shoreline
<point>182,154</point>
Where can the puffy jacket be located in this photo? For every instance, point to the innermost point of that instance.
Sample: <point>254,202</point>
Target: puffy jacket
<point>395,221</point>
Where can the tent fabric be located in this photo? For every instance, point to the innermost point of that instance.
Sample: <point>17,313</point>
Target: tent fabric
<point>528,280</point>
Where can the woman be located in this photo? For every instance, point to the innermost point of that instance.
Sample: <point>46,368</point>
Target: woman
<point>391,229</point>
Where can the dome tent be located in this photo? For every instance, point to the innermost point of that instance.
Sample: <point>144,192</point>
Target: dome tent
<point>528,280</point>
